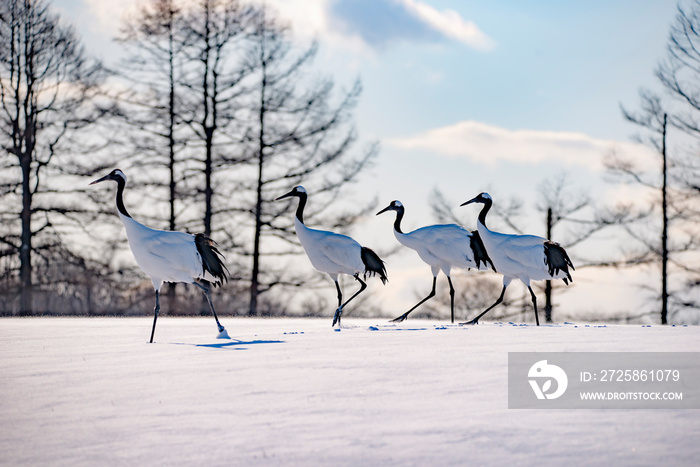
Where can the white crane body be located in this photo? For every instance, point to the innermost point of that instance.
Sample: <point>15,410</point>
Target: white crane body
<point>523,257</point>
<point>168,256</point>
<point>164,255</point>
<point>442,247</point>
<point>335,253</point>
<point>330,252</point>
<point>520,256</point>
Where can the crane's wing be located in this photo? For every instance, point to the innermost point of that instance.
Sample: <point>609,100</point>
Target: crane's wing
<point>214,268</point>
<point>520,241</point>
<point>520,249</point>
<point>374,265</point>
<point>481,256</point>
<point>439,233</point>
<point>453,244</point>
<point>557,260</point>
<point>170,255</point>
<point>497,240</point>
<point>341,250</point>
<point>445,241</point>
<point>530,256</point>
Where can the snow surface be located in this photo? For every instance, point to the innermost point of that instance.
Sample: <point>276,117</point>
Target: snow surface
<point>92,391</point>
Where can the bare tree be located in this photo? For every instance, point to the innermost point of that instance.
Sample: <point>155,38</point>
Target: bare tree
<point>300,132</point>
<point>150,108</point>
<point>184,74</point>
<point>679,74</point>
<point>563,206</point>
<point>671,204</point>
<point>48,88</point>
<point>225,91</point>
<point>215,36</point>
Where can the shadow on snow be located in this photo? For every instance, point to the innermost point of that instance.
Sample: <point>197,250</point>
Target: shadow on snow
<point>233,345</point>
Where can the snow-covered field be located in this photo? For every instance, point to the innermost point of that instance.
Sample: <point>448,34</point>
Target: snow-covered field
<point>92,391</point>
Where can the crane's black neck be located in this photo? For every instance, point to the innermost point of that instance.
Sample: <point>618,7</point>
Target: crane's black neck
<point>120,201</point>
<point>300,208</point>
<point>399,218</point>
<point>484,211</point>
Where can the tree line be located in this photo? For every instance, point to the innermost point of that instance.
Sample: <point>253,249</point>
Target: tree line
<point>212,113</point>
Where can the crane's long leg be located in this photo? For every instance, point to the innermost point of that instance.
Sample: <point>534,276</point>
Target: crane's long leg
<point>500,299</point>
<point>155,315</point>
<point>430,295</point>
<point>207,294</point>
<point>534,303</point>
<point>452,300</point>
<point>340,294</point>
<point>339,311</point>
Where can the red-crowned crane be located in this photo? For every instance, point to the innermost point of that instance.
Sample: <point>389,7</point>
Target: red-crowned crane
<point>524,257</point>
<point>168,256</point>
<point>442,247</point>
<point>334,253</point>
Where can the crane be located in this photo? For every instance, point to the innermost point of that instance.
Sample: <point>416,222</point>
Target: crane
<point>523,257</point>
<point>441,246</point>
<point>334,253</point>
<point>168,256</point>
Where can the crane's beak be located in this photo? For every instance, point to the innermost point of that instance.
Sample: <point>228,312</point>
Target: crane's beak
<point>287,195</point>
<point>106,177</point>
<point>473,200</point>
<point>388,208</point>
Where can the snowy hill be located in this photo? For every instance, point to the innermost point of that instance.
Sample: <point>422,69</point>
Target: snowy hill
<point>81,391</point>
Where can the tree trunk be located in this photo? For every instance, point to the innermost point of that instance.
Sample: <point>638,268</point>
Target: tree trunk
<point>207,127</point>
<point>664,232</point>
<point>254,277</point>
<point>254,281</point>
<point>25,251</point>
<point>45,84</point>
<point>548,284</point>
<point>208,191</point>
<point>172,298</point>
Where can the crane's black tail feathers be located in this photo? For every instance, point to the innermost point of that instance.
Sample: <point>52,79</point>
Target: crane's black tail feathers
<point>556,258</point>
<point>373,264</point>
<point>212,259</point>
<point>480,253</point>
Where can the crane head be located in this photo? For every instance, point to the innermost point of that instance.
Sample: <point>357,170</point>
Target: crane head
<point>296,191</point>
<point>115,175</point>
<point>393,206</point>
<point>482,198</point>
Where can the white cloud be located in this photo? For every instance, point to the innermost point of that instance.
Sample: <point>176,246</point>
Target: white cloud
<point>451,24</point>
<point>306,17</point>
<point>488,144</point>
<point>108,16</point>
<point>358,26</point>
<point>377,23</point>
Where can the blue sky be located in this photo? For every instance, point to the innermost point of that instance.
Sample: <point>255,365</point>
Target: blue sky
<point>539,65</point>
<point>555,66</point>
<point>471,96</point>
